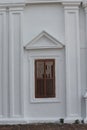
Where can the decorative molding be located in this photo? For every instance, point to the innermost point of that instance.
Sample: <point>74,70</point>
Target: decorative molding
<point>12,121</point>
<point>42,1</point>
<point>11,5</point>
<point>71,5</point>
<point>72,2</point>
<point>22,3</point>
<point>18,3</point>
<point>58,64</point>
<point>7,121</point>
<point>54,42</point>
<point>53,1</point>
<point>16,9</point>
<point>84,3</point>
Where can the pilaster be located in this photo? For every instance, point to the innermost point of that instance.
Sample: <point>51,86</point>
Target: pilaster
<point>73,88</point>
<point>3,64</point>
<point>15,61</point>
<point>85,10</point>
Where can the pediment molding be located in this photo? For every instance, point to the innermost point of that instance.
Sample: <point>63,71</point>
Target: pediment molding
<point>43,41</point>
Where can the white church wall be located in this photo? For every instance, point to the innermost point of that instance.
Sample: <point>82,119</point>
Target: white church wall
<point>64,23</point>
<point>50,18</point>
<point>39,17</point>
<point>45,109</point>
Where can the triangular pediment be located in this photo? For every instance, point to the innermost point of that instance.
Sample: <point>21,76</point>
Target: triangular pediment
<point>43,41</point>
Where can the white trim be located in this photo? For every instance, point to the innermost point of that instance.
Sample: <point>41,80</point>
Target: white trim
<point>42,1</point>
<point>56,43</point>
<point>71,3</point>
<point>58,57</point>
<point>13,121</point>
<point>16,9</point>
<point>5,5</point>
<point>58,88</point>
<point>26,2</point>
<point>43,120</point>
<point>52,1</point>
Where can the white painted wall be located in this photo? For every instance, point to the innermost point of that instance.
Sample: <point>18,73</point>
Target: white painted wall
<point>45,108</point>
<point>48,17</point>
<point>20,22</point>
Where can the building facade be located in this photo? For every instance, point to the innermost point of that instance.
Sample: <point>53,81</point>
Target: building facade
<point>43,61</point>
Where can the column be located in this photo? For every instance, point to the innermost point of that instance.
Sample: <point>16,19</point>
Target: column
<point>72,41</point>
<point>15,61</point>
<point>4,104</point>
<point>85,96</point>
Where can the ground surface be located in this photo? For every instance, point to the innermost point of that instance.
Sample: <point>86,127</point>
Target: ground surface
<point>45,127</point>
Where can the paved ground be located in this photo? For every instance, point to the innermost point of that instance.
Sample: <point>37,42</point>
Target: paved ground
<point>45,127</point>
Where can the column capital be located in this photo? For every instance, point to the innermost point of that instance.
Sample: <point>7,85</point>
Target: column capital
<point>73,4</point>
<point>12,3</point>
<point>16,8</point>
<point>84,3</point>
<point>85,6</point>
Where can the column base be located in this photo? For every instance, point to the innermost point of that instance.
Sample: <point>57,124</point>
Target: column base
<point>70,120</point>
<point>85,120</point>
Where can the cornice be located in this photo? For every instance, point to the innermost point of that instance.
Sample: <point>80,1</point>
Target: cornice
<point>65,2</point>
<point>71,5</point>
<point>71,2</point>
<point>42,1</point>
<point>12,5</point>
<point>21,3</point>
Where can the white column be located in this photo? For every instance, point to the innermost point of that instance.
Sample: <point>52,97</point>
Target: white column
<point>3,63</point>
<point>85,96</point>
<point>73,88</point>
<point>15,61</point>
<point>86,20</point>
